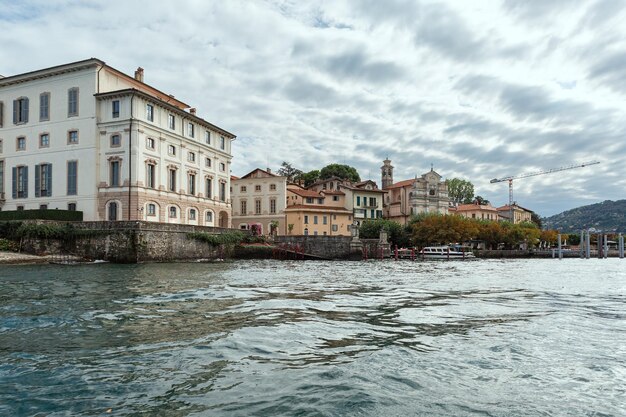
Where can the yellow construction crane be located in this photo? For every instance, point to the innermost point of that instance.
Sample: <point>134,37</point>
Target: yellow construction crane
<point>533,174</point>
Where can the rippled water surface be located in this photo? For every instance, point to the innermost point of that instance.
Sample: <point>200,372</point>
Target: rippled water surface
<point>270,338</point>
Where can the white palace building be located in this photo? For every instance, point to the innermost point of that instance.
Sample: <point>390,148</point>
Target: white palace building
<point>84,136</point>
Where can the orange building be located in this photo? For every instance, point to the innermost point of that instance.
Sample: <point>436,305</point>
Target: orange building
<point>316,213</point>
<point>476,211</point>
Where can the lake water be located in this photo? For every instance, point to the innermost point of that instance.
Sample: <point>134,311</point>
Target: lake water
<point>308,338</point>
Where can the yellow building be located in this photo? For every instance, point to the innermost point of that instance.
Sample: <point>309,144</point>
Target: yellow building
<point>476,211</point>
<point>520,214</point>
<point>315,213</point>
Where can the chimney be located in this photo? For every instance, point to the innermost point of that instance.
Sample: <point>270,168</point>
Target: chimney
<point>269,170</point>
<point>139,74</point>
<point>192,111</point>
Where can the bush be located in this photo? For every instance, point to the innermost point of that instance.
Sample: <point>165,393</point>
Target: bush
<point>228,238</point>
<point>63,215</point>
<point>7,245</point>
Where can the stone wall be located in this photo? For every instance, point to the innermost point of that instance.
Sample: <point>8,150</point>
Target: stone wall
<point>327,247</point>
<point>131,241</point>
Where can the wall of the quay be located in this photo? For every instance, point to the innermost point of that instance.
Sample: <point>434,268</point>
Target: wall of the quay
<point>327,247</point>
<point>130,242</point>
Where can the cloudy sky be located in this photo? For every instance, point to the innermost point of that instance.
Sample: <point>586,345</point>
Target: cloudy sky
<point>480,89</point>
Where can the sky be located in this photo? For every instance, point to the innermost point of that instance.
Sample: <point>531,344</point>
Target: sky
<point>478,89</point>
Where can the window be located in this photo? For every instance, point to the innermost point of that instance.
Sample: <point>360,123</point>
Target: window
<point>273,206</point>
<point>190,130</point>
<point>325,220</point>
<point>192,214</point>
<point>172,212</point>
<point>208,185</point>
<point>222,191</point>
<point>320,201</point>
<point>171,121</point>
<point>306,219</point>
<point>171,150</point>
<point>115,109</point>
<point>222,142</point>
<point>314,219</point>
<point>1,146</point>
<point>72,137</point>
<point>1,177</point>
<point>150,144</point>
<point>222,167</point>
<point>71,206</point>
<point>207,137</point>
<point>431,191</point>
<point>72,177</point>
<point>151,209</point>
<point>112,211</point>
<point>116,140</point>
<point>20,182</point>
<point>373,202</point>
<point>257,207</point>
<point>43,180</point>
<point>43,207</point>
<point>191,157</point>
<point>191,184</point>
<point>209,217</point>
<point>335,198</point>
<point>272,187</point>
<point>207,162</point>
<point>1,114</point>
<point>20,111</point>
<point>309,200</point>
<point>20,208</point>
<point>150,112</point>
<point>335,228</point>
<point>171,180</point>
<point>358,200</point>
<point>44,140</point>
<point>257,188</point>
<point>72,102</point>
<point>114,173</point>
<point>243,188</point>
<point>150,176</point>
<point>244,207</point>
<point>44,107</point>
<point>21,143</point>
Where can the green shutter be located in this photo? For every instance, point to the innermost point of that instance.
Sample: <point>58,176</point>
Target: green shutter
<point>37,180</point>
<point>25,110</point>
<point>14,183</point>
<point>49,181</point>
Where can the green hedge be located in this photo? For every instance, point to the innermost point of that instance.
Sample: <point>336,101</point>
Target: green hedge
<point>227,238</point>
<point>63,215</point>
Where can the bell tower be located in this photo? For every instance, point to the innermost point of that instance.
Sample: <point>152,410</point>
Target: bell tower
<point>386,173</point>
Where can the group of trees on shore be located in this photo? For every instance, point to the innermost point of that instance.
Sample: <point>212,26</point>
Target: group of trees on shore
<point>436,229</point>
<point>342,171</point>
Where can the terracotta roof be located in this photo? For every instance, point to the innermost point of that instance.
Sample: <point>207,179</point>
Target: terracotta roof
<point>470,207</point>
<point>333,192</point>
<point>400,184</point>
<point>271,174</point>
<point>306,193</point>
<point>507,208</point>
<point>233,178</point>
<point>317,207</point>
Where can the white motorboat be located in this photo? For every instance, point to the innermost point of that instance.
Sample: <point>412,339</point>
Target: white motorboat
<point>444,252</point>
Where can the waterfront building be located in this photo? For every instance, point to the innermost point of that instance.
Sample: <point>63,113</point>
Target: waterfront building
<point>364,199</point>
<point>476,211</point>
<point>322,213</point>
<point>425,194</point>
<point>85,136</point>
<point>520,214</point>
<point>260,198</point>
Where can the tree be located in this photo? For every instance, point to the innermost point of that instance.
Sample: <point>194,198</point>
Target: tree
<point>288,171</point>
<point>344,172</point>
<point>535,218</point>
<point>370,229</point>
<point>460,191</point>
<point>436,229</point>
<point>309,177</point>
<point>482,201</point>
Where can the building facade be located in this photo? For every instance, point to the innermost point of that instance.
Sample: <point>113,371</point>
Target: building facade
<point>85,136</point>
<point>520,214</point>
<point>425,194</point>
<point>316,213</point>
<point>364,198</point>
<point>260,198</point>
<point>476,211</point>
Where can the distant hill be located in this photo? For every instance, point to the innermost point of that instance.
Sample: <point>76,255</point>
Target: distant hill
<point>606,216</point>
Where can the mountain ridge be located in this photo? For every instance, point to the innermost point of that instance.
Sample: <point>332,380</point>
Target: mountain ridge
<point>607,216</point>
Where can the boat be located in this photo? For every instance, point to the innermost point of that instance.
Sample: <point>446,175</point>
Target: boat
<point>445,252</point>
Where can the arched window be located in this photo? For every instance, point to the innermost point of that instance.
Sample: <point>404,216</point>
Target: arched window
<point>208,217</point>
<point>112,215</point>
<point>173,213</point>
